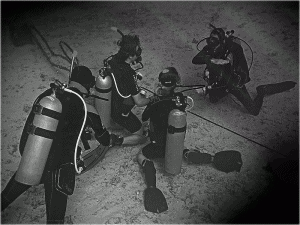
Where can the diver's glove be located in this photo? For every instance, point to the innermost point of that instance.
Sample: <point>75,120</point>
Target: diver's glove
<point>153,99</point>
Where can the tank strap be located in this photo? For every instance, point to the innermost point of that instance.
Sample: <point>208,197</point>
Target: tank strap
<point>34,130</point>
<point>103,90</point>
<point>172,129</point>
<point>40,110</point>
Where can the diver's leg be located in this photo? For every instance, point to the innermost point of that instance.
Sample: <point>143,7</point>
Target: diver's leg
<point>12,191</point>
<point>270,89</point>
<point>135,138</point>
<point>101,134</point>
<point>131,123</point>
<point>56,201</point>
<point>154,199</point>
<point>253,106</point>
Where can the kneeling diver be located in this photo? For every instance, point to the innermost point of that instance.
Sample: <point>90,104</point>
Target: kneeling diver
<point>48,141</point>
<point>158,113</point>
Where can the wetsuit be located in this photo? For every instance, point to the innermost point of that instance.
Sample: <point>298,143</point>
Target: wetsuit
<point>158,113</point>
<point>235,76</point>
<point>127,85</point>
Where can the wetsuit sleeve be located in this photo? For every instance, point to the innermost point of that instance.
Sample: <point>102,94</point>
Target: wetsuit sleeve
<point>153,110</point>
<point>101,134</point>
<point>203,57</point>
<point>147,112</point>
<point>133,88</point>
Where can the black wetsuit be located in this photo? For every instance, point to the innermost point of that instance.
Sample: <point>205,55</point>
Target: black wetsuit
<point>236,74</point>
<point>61,155</point>
<point>158,113</point>
<point>127,85</point>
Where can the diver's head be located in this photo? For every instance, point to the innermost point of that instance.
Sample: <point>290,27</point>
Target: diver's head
<point>130,49</point>
<point>168,79</point>
<point>83,76</point>
<point>216,39</point>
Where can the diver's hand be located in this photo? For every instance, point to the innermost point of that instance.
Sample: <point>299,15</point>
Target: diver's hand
<point>153,99</point>
<point>219,61</point>
<point>139,76</point>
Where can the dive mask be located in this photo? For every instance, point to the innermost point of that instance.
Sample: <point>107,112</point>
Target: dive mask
<point>212,42</point>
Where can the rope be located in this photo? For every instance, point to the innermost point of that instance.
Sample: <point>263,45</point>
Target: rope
<point>66,58</point>
<point>148,90</point>
<point>197,85</point>
<point>237,134</point>
<point>61,43</point>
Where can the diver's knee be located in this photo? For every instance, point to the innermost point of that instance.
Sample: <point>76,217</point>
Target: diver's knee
<point>140,157</point>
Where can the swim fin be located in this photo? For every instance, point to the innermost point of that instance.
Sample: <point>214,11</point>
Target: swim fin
<point>154,199</point>
<point>270,89</point>
<point>93,157</point>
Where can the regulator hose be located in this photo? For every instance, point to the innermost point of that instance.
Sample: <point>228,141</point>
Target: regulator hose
<point>83,124</point>
<point>113,76</point>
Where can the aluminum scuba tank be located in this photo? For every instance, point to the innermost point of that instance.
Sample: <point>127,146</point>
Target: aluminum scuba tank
<point>103,89</point>
<point>175,141</point>
<point>41,133</point>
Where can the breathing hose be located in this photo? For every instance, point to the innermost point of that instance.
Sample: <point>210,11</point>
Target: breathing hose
<point>83,124</point>
<point>113,76</point>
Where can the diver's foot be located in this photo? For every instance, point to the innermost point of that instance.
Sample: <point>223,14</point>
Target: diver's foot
<point>270,89</point>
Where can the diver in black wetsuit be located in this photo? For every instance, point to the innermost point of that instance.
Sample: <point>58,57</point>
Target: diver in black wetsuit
<point>157,112</point>
<point>58,175</point>
<point>227,66</point>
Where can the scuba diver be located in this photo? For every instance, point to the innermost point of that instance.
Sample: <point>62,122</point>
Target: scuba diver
<point>125,92</point>
<point>48,144</point>
<point>167,140</point>
<point>158,112</point>
<point>227,72</point>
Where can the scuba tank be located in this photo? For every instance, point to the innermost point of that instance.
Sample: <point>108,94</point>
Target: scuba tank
<point>176,136</point>
<point>37,142</point>
<point>103,89</point>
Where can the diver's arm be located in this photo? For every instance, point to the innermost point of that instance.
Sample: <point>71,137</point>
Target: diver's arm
<point>101,134</point>
<point>147,112</point>
<point>140,100</point>
<point>203,57</point>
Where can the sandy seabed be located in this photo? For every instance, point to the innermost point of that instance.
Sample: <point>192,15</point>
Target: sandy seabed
<point>112,192</point>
